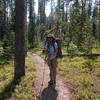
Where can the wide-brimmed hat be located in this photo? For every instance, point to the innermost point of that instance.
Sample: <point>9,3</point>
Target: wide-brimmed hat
<point>50,36</point>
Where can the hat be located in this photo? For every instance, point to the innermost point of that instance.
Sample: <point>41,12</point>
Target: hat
<point>50,35</point>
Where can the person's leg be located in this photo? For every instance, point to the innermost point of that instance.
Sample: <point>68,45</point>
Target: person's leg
<point>50,68</point>
<point>54,74</point>
<point>54,65</point>
<point>51,74</point>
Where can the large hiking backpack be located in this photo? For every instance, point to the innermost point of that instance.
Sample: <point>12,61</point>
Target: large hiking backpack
<point>59,54</point>
<point>58,41</point>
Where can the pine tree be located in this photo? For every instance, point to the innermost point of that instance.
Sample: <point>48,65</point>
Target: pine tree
<point>31,27</point>
<point>20,38</point>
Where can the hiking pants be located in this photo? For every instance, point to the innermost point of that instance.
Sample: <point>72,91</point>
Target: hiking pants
<point>52,66</point>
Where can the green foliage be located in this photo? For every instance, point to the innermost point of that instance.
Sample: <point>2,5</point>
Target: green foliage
<point>1,10</point>
<point>4,59</point>
<point>89,64</point>
<point>34,38</point>
<point>85,81</point>
<point>97,71</point>
<point>72,48</point>
<point>8,43</point>
<point>19,90</point>
<point>81,75</point>
<point>79,29</point>
<point>37,51</point>
<point>0,45</point>
<point>85,94</point>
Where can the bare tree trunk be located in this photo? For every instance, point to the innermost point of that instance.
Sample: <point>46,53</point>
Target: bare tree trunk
<point>58,4</point>
<point>41,11</point>
<point>20,38</point>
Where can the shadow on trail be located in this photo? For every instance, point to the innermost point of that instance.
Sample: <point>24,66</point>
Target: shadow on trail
<point>9,89</point>
<point>48,94</point>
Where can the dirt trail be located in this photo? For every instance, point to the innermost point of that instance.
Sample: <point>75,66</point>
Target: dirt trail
<point>45,92</point>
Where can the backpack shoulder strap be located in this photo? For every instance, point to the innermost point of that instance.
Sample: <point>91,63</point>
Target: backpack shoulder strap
<point>53,44</point>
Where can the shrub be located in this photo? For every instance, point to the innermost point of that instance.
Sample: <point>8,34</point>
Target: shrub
<point>10,89</point>
<point>85,81</point>
<point>72,48</point>
<point>97,71</point>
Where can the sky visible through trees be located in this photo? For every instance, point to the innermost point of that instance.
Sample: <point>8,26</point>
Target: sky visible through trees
<point>48,6</point>
<point>76,23</point>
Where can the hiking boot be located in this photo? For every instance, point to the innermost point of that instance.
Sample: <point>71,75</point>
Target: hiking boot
<point>54,83</point>
<point>50,82</point>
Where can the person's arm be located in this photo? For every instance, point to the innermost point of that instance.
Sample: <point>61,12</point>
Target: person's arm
<point>46,52</point>
<point>55,52</point>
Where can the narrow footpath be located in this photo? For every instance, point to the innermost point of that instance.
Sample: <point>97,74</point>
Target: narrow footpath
<point>44,92</point>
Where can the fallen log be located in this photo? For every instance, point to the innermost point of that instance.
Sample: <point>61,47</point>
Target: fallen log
<point>93,54</point>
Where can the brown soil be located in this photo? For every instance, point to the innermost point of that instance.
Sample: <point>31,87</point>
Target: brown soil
<point>61,92</point>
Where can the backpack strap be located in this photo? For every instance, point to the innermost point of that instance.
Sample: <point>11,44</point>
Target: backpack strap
<point>48,45</point>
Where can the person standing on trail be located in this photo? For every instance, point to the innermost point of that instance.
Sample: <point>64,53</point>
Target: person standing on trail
<point>51,49</point>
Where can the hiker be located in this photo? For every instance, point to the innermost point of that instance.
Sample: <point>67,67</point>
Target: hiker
<point>51,50</point>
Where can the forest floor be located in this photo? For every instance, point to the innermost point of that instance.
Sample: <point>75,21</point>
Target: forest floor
<point>61,92</point>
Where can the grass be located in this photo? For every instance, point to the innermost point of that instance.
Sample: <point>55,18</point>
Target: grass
<point>94,50</point>
<point>37,51</point>
<point>81,74</point>
<point>22,89</point>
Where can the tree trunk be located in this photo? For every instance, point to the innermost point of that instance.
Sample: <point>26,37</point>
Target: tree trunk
<point>58,5</point>
<point>41,11</point>
<point>20,18</point>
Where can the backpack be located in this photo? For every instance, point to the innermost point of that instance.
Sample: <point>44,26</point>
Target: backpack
<point>59,54</point>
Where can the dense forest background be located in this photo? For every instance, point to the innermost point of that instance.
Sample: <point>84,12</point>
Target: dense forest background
<point>75,22</point>
<point>24,25</point>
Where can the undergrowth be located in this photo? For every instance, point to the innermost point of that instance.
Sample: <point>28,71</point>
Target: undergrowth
<point>82,75</point>
<point>22,89</point>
